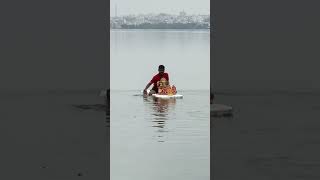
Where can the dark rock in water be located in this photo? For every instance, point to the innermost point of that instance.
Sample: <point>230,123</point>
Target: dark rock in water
<point>96,107</point>
<point>219,110</point>
<point>80,174</point>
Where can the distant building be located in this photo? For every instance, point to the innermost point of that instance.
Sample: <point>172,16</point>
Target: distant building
<point>161,21</point>
<point>182,13</point>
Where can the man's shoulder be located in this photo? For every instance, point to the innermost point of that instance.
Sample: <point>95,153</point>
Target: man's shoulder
<point>155,76</point>
<point>158,75</point>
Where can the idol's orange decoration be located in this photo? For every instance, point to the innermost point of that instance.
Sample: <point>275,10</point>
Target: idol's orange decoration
<point>165,89</point>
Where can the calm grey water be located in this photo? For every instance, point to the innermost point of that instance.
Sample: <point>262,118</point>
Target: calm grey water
<point>272,135</point>
<point>45,136</point>
<point>136,54</point>
<point>159,139</point>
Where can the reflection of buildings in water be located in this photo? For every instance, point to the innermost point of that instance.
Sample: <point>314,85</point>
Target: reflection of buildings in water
<point>160,109</point>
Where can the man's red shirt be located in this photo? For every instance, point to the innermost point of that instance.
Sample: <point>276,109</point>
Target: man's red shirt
<point>157,78</point>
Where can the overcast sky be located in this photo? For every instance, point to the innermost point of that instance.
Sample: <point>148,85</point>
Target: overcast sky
<point>125,7</point>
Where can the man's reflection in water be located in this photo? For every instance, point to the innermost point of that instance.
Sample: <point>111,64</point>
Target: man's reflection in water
<point>160,109</point>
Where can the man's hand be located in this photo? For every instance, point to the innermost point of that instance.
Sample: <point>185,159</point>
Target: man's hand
<point>145,92</point>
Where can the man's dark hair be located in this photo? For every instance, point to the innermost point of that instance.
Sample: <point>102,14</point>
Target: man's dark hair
<point>161,67</point>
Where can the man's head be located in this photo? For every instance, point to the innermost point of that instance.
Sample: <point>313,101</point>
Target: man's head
<point>161,69</point>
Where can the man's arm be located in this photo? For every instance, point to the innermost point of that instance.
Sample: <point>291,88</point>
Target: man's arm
<point>145,89</point>
<point>148,85</point>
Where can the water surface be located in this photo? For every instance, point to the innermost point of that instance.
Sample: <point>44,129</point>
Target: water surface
<point>136,54</point>
<point>272,135</point>
<point>166,139</point>
<point>160,139</point>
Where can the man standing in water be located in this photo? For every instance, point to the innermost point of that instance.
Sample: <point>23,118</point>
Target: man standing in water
<point>155,80</point>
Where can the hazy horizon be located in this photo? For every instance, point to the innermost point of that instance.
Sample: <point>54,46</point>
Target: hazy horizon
<point>120,15</point>
<point>126,7</point>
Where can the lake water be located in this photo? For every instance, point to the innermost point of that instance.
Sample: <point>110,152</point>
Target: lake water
<point>136,54</point>
<point>272,135</point>
<point>159,139</point>
<point>152,139</point>
<point>53,135</point>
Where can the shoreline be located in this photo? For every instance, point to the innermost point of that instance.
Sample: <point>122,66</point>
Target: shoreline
<point>138,29</point>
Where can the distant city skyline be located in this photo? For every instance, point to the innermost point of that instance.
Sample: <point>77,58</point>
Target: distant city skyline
<point>158,13</point>
<point>126,7</point>
<point>161,21</point>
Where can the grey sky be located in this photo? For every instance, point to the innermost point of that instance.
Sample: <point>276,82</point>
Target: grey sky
<point>156,6</point>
